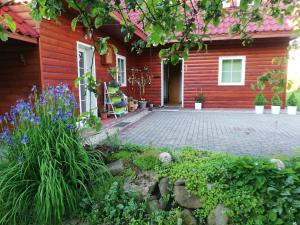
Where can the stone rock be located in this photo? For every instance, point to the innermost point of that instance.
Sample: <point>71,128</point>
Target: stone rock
<point>165,157</point>
<point>218,216</point>
<point>185,199</point>
<point>179,182</point>
<point>143,185</point>
<point>279,164</point>
<point>188,218</point>
<point>116,167</point>
<point>163,186</point>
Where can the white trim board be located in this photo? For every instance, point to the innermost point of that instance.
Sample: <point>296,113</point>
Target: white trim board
<point>243,75</point>
<point>88,53</point>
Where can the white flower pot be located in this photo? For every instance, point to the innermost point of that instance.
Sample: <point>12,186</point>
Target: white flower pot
<point>259,109</point>
<point>275,109</point>
<point>292,110</point>
<point>198,105</point>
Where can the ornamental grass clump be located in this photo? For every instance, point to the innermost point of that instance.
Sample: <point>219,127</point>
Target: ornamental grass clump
<point>46,168</point>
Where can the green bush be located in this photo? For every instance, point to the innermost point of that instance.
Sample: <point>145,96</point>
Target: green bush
<point>46,168</point>
<point>148,160</point>
<point>253,189</point>
<point>292,101</point>
<point>276,101</point>
<point>260,100</point>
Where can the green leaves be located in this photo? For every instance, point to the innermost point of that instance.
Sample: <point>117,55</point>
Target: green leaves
<point>7,24</point>
<point>74,23</point>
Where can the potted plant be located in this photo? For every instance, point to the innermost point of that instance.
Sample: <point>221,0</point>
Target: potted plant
<point>103,114</point>
<point>142,103</point>
<point>113,87</point>
<point>276,104</point>
<point>199,99</point>
<point>292,104</point>
<point>260,102</point>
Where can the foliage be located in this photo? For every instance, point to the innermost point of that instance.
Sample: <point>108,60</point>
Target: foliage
<point>46,167</point>
<point>200,98</point>
<point>292,101</point>
<point>91,85</point>
<point>112,71</point>
<point>120,208</point>
<point>148,160</point>
<point>253,189</point>
<point>276,101</point>
<point>260,100</point>
<point>157,20</point>
<point>297,95</point>
<point>6,21</point>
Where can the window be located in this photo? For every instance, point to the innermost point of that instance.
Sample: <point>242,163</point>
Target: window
<point>121,70</point>
<point>85,60</point>
<point>226,3</point>
<point>232,70</point>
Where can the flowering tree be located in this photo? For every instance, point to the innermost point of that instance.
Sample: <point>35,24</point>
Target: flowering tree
<point>168,21</point>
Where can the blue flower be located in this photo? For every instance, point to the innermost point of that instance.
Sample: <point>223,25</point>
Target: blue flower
<point>24,140</point>
<point>5,136</point>
<point>68,114</point>
<point>70,126</point>
<point>59,113</point>
<point>1,119</point>
<point>20,159</point>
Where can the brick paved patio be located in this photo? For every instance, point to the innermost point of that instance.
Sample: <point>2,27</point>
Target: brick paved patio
<point>236,132</point>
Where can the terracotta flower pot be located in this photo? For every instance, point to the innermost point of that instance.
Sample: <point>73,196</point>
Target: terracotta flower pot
<point>103,116</point>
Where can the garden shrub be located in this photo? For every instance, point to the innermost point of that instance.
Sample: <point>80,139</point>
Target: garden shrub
<point>253,189</point>
<point>148,160</point>
<point>46,168</point>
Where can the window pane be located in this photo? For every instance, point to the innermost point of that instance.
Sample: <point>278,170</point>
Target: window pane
<point>226,65</point>
<point>83,106</point>
<point>236,77</point>
<point>237,65</point>
<point>226,77</point>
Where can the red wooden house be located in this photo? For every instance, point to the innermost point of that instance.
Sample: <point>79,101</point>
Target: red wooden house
<point>47,53</point>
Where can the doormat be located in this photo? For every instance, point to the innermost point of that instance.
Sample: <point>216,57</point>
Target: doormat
<point>122,124</point>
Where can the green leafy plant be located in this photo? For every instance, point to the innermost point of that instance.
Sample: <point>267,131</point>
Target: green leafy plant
<point>200,98</point>
<point>292,100</point>
<point>46,167</point>
<point>260,100</point>
<point>89,119</point>
<point>148,160</point>
<point>6,22</point>
<point>112,71</point>
<point>276,101</point>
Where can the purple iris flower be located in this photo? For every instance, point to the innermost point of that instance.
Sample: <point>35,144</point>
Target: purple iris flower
<point>59,113</point>
<point>70,126</point>
<point>1,119</point>
<point>68,114</point>
<point>5,136</point>
<point>24,140</point>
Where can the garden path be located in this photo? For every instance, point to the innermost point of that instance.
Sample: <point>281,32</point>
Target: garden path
<point>238,132</point>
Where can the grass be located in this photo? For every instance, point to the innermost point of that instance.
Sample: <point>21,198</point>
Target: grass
<point>297,93</point>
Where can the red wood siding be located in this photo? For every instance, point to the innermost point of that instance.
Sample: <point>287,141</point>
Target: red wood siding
<point>201,72</point>
<point>58,48</point>
<point>20,70</point>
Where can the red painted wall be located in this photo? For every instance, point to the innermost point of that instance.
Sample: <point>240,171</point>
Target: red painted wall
<point>19,71</point>
<point>201,72</point>
<point>58,49</point>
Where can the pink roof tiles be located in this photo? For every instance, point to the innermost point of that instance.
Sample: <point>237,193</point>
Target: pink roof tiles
<point>23,27</point>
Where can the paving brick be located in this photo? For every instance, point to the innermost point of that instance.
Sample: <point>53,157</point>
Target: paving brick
<point>226,131</point>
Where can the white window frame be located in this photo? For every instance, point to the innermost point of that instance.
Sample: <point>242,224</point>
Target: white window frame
<point>125,70</point>
<point>80,46</point>
<point>242,83</point>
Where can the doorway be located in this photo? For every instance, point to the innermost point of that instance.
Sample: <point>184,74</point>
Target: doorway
<point>172,84</point>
